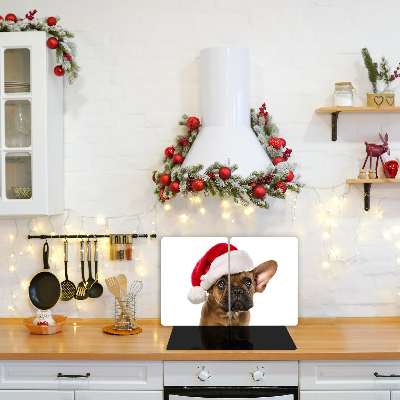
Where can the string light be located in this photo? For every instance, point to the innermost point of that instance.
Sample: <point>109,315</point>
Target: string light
<point>167,207</point>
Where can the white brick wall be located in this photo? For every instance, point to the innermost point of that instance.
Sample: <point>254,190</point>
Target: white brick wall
<point>139,74</point>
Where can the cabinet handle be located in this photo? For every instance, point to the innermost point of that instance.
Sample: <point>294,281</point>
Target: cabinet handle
<point>386,376</point>
<point>60,375</point>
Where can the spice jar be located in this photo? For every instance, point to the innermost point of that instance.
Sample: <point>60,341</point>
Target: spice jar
<point>343,96</point>
<point>128,247</point>
<point>120,247</point>
<point>113,247</point>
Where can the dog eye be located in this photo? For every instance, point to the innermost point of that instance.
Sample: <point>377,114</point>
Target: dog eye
<point>221,284</point>
<point>248,282</point>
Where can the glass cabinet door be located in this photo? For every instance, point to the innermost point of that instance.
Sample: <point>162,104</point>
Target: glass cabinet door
<point>16,126</point>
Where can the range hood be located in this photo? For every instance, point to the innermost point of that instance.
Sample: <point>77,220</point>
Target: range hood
<point>226,135</point>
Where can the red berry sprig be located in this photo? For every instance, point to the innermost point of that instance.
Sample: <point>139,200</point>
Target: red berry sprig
<point>31,15</point>
<point>286,154</point>
<point>265,179</point>
<point>183,142</point>
<point>395,74</point>
<point>263,113</point>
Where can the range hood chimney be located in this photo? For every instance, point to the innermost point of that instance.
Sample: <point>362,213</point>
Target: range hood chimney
<point>226,134</point>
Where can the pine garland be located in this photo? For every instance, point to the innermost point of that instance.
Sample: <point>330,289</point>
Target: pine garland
<point>66,50</point>
<point>236,186</point>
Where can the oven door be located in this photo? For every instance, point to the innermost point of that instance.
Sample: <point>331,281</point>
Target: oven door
<point>230,393</point>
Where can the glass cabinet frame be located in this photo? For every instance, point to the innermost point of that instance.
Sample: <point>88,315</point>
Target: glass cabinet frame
<point>31,124</point>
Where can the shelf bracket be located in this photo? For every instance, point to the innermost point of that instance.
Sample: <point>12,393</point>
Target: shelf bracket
<point>367,197</point>
<point>335,116</point>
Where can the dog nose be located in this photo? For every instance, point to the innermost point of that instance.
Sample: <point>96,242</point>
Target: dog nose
<point>237,291</point>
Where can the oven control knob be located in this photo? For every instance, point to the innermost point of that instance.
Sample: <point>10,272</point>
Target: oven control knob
<point>204,375</point>
<point>257,375</point>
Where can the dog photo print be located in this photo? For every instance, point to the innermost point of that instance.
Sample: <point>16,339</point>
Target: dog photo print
<point>194,281</point>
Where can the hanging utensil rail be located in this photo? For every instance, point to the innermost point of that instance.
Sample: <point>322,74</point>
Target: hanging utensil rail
<point>134,236</point>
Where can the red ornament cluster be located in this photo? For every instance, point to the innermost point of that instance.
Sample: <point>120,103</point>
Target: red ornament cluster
<point>183,142</point>
<point>225,173</point>
<point>276,143</point>
<point>51,21</point>
<point>193,123</point>
<point>177,158</point>
<point>282,186</point>
<point>263,113</point>
<point>11,17</point>
<point>169,151</point>
<point>391,168</point>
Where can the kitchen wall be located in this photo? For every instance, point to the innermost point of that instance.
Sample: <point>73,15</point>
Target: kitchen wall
<point>139,74</point>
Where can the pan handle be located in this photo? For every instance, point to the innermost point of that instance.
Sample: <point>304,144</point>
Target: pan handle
<point>46,256</point>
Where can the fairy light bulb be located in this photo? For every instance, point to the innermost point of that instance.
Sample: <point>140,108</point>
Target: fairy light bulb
<point>325,264</point>
<point>184,218</point>
<point>325,235</point>
<point>12,268</point>
<point>202,210</point>
<point>167,207</point>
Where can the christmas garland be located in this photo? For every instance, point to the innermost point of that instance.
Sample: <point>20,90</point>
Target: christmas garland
<point>218,178</point>
<point>65,48</point>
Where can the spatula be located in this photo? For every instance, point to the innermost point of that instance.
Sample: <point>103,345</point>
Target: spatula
<point>123,284</point>
<point>81,290</point>
<point>115,290</point>
<point>68,289</point>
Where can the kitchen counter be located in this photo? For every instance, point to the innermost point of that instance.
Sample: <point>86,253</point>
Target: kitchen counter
<point>315,338</point>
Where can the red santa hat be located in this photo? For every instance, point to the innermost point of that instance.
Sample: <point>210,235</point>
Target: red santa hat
<point>213,265</point>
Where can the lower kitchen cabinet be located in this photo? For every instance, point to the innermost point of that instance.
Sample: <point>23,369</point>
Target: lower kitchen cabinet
<point>346,395</point>
<point>36,395</point>
<point>117,395</point>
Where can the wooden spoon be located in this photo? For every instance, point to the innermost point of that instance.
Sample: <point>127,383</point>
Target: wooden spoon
<point>123,284</point>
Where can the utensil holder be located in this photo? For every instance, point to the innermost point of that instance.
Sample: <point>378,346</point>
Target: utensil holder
<point>124,314</point>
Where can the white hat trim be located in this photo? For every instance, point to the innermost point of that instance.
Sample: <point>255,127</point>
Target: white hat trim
<point>240,262</point>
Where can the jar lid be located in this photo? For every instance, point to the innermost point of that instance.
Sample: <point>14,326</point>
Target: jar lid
<point>342,83</point>
<point>113,239</point>
<point>120,239</point>
<point>128,239</point>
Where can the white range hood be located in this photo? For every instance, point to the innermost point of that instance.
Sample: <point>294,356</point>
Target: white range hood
<point>225,106</point>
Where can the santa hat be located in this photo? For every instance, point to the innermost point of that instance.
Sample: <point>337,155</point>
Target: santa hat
<point>213,265</point>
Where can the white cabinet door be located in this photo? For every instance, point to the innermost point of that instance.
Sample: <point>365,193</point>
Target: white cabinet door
<point>395,395</point>
<point>36,395</point>
<point>345,395</point>
<point>117,395</point>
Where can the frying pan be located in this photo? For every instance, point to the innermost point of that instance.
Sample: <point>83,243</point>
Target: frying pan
<point>44,289</point>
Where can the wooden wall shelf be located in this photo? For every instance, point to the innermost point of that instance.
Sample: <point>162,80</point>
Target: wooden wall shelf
<point>367,187</point>
<point>336,110</point>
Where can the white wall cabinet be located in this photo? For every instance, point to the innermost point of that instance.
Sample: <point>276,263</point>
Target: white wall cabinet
<point>35,395</point>
<point>117,395</point>
<point>345,395</point>
<point>31,127</point>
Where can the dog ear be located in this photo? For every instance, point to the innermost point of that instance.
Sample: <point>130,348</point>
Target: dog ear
<point>263,273</point>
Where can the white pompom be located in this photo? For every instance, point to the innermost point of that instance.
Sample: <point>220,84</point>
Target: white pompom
<point>196,295</point>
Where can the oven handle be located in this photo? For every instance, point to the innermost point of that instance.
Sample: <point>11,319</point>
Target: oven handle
<point>386,376</point>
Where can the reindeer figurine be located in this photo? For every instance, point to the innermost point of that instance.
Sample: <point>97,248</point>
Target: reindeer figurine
<point>376,150</point>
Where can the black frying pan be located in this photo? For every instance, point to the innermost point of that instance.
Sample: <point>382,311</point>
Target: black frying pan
<point>44,289</point>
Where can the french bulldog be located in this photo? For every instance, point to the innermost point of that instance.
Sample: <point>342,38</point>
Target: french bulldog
<point>243,286</point>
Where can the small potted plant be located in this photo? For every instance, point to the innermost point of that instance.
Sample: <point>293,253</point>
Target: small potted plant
<point>386,97</point>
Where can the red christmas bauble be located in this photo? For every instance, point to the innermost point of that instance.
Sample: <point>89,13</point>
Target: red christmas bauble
<point>277,160</point>
<point>51,21</point>
<point>225,173</point>
<point>11,17</point>
<point>1,18</point>
<point>162,196</point>
<point>290,177</point>
<point>174,187</point>
<point>252,184</point>
<point>198,185</point>
<point>276,143</point>
<point>52,43</point>
<point>282,186</point>
<point>391,168</point>
<point>193,123</point>
<point>165,179</point>
<point>283,142</point>
<point>59,71</point>
<point>154,178</point>
<point>169,151</point>
<point>177,158</point>
<point>259,192</point>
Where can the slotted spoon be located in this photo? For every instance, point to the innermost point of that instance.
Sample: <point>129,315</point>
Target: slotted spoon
<point>68,289</point>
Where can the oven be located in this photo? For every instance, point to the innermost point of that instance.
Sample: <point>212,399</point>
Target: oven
<point>237,380</point>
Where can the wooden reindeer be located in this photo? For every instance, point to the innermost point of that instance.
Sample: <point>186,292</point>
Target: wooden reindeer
<point>376,150</point>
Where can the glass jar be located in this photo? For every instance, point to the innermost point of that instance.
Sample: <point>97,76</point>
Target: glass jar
<point>120,247</point>
<point>128,247</point>
<point>113,247</point>
<point>343,95</point>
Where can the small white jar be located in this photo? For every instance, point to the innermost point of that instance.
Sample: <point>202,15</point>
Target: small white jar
<point>343,95</point>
